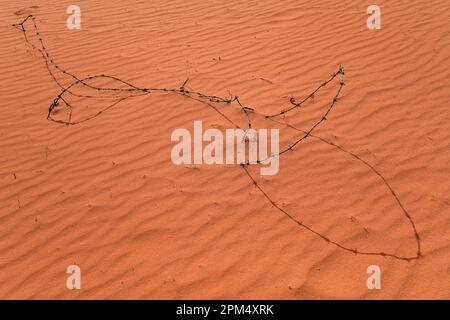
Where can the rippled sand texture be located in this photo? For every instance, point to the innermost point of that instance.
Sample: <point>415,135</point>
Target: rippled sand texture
<point>104,194</point>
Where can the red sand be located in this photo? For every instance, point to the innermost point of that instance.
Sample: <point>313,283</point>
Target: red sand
<point>104,194</point>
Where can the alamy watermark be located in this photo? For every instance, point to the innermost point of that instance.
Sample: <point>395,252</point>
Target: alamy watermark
<point>74,20</point>
<point>374,280</point>
<point>235,146</point>
<point>374,19</point>
<point>73,281</point>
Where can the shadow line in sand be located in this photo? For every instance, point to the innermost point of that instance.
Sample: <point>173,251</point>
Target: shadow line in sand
<point>130,90</point>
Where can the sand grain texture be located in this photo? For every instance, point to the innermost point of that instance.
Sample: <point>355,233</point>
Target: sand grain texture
<point>104,194</point>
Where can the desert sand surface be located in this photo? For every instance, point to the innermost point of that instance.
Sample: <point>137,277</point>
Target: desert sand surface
<point>104,195</point>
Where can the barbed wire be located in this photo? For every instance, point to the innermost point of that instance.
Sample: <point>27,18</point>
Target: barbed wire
<point>49,61</point>
<point>134,91</point>
<point>376,172</point>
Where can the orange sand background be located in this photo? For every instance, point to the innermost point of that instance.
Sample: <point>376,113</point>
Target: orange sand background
<point>104,194</point>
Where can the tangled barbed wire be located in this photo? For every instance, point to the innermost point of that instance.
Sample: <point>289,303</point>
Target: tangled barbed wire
<point>131,90</point>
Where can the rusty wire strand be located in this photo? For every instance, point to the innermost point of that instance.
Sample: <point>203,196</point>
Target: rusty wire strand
<point>133,91</point>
